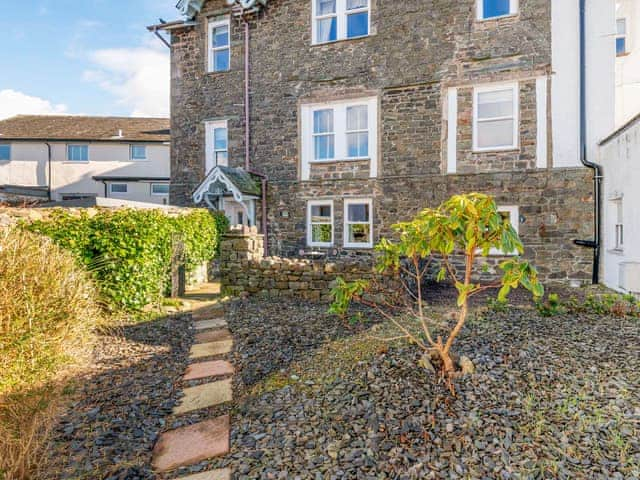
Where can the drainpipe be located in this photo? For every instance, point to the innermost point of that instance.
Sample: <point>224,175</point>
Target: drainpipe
<point>49,180</point>
<point>247,137</point>
<point>595,244</point>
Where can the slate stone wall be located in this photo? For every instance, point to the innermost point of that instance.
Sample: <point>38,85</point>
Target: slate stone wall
<point>417,50</point>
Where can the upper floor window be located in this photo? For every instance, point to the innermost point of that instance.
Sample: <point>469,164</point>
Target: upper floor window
<point>495,118</point>
<point>621,36</point>
<point>340,19</point>
<point>488,9</point>
<point>217,144</point>
<point>219,46</point>
<point>5,153</point>
<point>138,152</point>
<point>78,153</point>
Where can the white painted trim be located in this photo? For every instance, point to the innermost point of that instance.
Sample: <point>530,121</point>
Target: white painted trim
<point>452,130</point>
<point>217,22</point>
<point>144,159</point>
<point>357,201</point>
<point>323,203</point>
<point>542,143</point>
<point>514,216</point>
<point>210,157</point>
<point>513,10</point>
<point>516,115</point>
<point>341,16</point>
<point>340,134</point>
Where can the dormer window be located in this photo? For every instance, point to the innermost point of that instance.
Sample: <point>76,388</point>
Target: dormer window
<point>219,45</point>
<point>489,9</point>
<point>335,20</point>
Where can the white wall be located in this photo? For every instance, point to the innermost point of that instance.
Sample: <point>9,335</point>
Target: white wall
<point>620,159</point>
<point>28,166</point>
<point>628,66</point>
<point>565,88</point>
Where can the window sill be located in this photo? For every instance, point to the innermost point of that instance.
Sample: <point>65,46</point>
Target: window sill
<point>496,150</point>
<point>616,251</point>
<point>218,72</point>
<point>340,160</point>
<point>498,19</point>
<point>341,40</point>
<point>359,247</point>
<point>76,162</point>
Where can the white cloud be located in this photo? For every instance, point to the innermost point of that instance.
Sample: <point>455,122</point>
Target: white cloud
<point>16,103</point>
<point>138,78</point>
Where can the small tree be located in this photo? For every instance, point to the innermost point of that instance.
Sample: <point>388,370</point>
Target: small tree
<point>466,227</point>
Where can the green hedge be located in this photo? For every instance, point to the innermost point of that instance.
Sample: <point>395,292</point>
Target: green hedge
<point>129,251</point>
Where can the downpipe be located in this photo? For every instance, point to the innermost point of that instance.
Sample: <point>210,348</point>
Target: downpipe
<point>595,244</point>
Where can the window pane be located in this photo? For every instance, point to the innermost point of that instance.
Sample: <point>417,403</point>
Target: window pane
<point>621,46</point>
<point>323,121</point>
<point>358,144</point>
<point>320,213</point>
<point>138,152</point>
<point>160,188</point>
<point>222,158</point>
<point>359,233</point>
<point>220,138</point>
<point>78,153</point>
<point>497,133</point>
<point>325,7</point>
<point>353,4</point>
<point>5,152</point>
<point>357,118</point>
<point>495,104</point>
<point>327,29</point>
<point>324,147</point>
<point>220,37</point>
<point>621,26</point>
<point>495,8</point>
<point>358,25</point>
<point>119,188</point>
<point>321,233</point>
<point>358,212</point>
<point>221,60</point>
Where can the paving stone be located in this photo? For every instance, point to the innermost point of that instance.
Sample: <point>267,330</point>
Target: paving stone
<point>211,349</point>
<point>211,323</point>
<point>216,368</point>
<point>204,396</point>
<point>189,445</point>
<point>222,474</point>
<point>213,336</point>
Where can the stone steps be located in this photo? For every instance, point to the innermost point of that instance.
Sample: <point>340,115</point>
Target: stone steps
<point>212,349</point>
<point>216,368</point>
<point>210,324</point>
<point>204,396</point>
<point>192,444</point>
<point>223,474</point>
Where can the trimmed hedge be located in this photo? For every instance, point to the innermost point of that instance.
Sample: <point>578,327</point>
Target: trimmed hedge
<point>129,251</point>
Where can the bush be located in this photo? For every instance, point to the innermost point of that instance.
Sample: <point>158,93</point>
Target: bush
<point>47,313</point>
<point>129,251</point>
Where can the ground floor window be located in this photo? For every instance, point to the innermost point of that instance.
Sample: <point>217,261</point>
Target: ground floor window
<point>159,189</point>
<point>618,235</point>
<point>320,223</point>
<point>119,188</point>
<point>512,215</point>
<point>358,223</point>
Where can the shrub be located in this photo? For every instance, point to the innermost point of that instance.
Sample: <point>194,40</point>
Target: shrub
<point>129,251</point>
<point>551,307</point>
<point>47,313</point>
<point>469,226</point>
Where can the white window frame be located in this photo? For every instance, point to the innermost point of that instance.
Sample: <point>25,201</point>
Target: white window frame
<point>341,15</point>
<point>341,151</point>
<point>513,10</point>
<point>346,222</point>
<point>514,216</point>
<point>158,194</point>
<point>515,87</point>
<point>72,145</point>
<point>618,225</point>
<point>135,159</point>
<point>8,145</point>
<point>214,23</point>
<point>320,203</point>
<point>111,192</point>
<point>625,36</point>
<point>210,141</point>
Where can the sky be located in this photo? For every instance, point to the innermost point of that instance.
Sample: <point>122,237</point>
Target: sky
<point>84,57</point>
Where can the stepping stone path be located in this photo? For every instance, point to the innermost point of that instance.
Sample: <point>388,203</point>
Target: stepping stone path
<point>208,439</point>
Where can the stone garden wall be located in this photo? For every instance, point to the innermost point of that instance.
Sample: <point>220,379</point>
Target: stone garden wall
<point>245,271</point>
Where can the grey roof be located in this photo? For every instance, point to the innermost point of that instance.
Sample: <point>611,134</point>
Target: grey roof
<point>247,183</point>
<point>190,8</point>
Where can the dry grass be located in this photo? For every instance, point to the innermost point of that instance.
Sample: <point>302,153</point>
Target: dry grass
<point>48,313</point>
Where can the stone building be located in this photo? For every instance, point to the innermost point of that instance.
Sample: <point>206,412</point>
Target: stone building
<point>362,112</point>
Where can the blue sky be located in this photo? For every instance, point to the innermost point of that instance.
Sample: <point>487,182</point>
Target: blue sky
<point>90,57</point>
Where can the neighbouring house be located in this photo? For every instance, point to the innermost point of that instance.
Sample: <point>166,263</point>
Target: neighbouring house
<point>621,201</point>
<point>327,121</point>
<point>77,157</point>
<point>627,60</point>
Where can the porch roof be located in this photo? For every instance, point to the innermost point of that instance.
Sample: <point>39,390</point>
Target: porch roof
<point>240,183</point>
